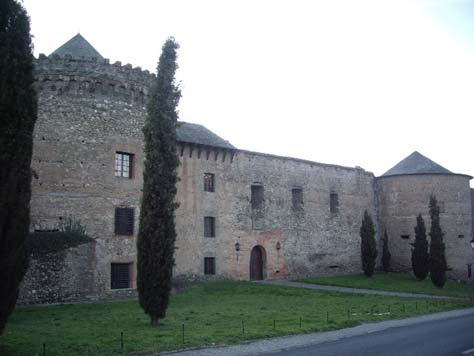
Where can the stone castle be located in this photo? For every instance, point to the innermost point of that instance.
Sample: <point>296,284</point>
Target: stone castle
<point>242,215</point>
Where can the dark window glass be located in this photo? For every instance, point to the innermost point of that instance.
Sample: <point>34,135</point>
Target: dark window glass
<point>256,198</point>
<point>123,164</point>
<point>124,221</point>
<point>405,237</point>
<point>120,275</point>
<point>297,198</point>
<point>209,265</point>
<point>208,182</point>
<point>461,236</point>
<point>334,203</point>
<point>209,226</point>
<point>469,270</point>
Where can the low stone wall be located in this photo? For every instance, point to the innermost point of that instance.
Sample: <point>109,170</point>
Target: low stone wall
<point>58,277</point>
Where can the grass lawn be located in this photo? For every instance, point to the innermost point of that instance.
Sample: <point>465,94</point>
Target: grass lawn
<point>396,282</point>
<point>212,313</point>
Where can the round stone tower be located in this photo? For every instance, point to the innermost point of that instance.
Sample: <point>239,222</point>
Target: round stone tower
<point>404,192</point>
<point>88,146</point>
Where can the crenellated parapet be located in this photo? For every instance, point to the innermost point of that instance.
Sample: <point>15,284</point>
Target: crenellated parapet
<point>92,77</point>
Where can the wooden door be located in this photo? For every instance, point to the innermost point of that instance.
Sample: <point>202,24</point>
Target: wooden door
<point>256,263</point>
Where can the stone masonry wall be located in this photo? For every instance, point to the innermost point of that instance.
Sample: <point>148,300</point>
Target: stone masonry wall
<point>313,241</point>
<point>76,136</point>
<point>402,198</point>
<point>60,276</point>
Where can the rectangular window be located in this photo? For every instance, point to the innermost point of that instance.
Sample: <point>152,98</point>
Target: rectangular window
<point>120,275</point>
<point>209,265</point>
<point>469,270</point>
<point>297,198</point>
<point>209,226</point>
<point>256,198</point>
<point>124,221</point>
<point>208,182</point>
<point>123,164</point>
<point>334,203</point>
<point>405,237</point>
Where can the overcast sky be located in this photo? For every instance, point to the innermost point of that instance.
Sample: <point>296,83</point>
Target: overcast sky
<point>355,83</point>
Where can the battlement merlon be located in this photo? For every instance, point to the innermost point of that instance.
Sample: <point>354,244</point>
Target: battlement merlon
<point>92,67</point>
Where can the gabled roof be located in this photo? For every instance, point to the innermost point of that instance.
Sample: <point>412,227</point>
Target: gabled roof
<point>198,134</point>
<point>77,47</point>
<point>416,163</point>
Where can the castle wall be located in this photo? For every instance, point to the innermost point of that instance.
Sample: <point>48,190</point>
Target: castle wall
<point>402,198</point>
<point>312,241</point>
<point>76,136</point>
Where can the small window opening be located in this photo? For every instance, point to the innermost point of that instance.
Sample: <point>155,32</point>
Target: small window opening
<point>123,164</point>
<point>297,198</point>
<point>209,265</point>
<point>209,226</point>
<point>120,275</point>
<point>461,236</point>
<point>256,198</point>
<point>208,182</point>
<point>124,221</point>
<point>334,203</point>
<point>405,237</point>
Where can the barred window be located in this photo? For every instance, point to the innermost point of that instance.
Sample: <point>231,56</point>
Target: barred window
<point>334,203</point>
<point>208,182</point>
<point>120,275</point>
<point>297,198</point>
<point>209,265</point>
<point>209,226</point>
<point>123,164</point>
<point>124,221</point>
<point>256,196</point>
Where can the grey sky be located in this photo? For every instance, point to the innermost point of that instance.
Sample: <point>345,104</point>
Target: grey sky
<point>346,82</point>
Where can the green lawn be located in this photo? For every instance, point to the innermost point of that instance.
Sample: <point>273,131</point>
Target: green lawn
<point>396,282</point>
<point>212,313</point>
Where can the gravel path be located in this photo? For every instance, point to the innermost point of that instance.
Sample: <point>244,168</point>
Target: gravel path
<point>287,283</point>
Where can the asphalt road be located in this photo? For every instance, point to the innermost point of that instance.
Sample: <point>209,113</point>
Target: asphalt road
<point>440,337</point>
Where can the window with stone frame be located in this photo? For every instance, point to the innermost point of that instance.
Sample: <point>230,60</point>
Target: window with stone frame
<point>297,198</point>
<point>120,275</point>
<point>124,221</point>
<point>209,226</point>
<point>209,265</point>
<point>123,164</point>
<point>256,196</point>
<point>209,182</point>
<point>334,203</point>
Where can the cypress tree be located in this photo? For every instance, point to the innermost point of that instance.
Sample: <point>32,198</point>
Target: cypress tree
<point>419,253</point>
<point>18,111</point>
<point>438,265</point>
<point>386,255</point>
<point>368,245</point>
<point>157,234</point>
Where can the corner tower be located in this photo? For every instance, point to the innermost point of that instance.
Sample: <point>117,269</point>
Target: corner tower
<point>403,192</point>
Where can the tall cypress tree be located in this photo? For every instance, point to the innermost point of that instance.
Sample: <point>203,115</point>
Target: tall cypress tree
<point>438,265</point>
<point>368,245</point>
<point>157,235</point>
<point>419,253</point>
<point>386,255</point>
<point>18,110</point>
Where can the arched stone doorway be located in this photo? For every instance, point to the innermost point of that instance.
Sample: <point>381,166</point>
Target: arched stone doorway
<point>257,263</point>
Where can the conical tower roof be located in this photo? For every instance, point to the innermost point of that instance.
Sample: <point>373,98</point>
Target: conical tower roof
<point>77,47</point>
<point>416,163</point>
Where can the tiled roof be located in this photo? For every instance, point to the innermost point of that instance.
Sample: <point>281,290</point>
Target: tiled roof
<point>198,134</point>
<point>77,47</point>
<point>416,163</point>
